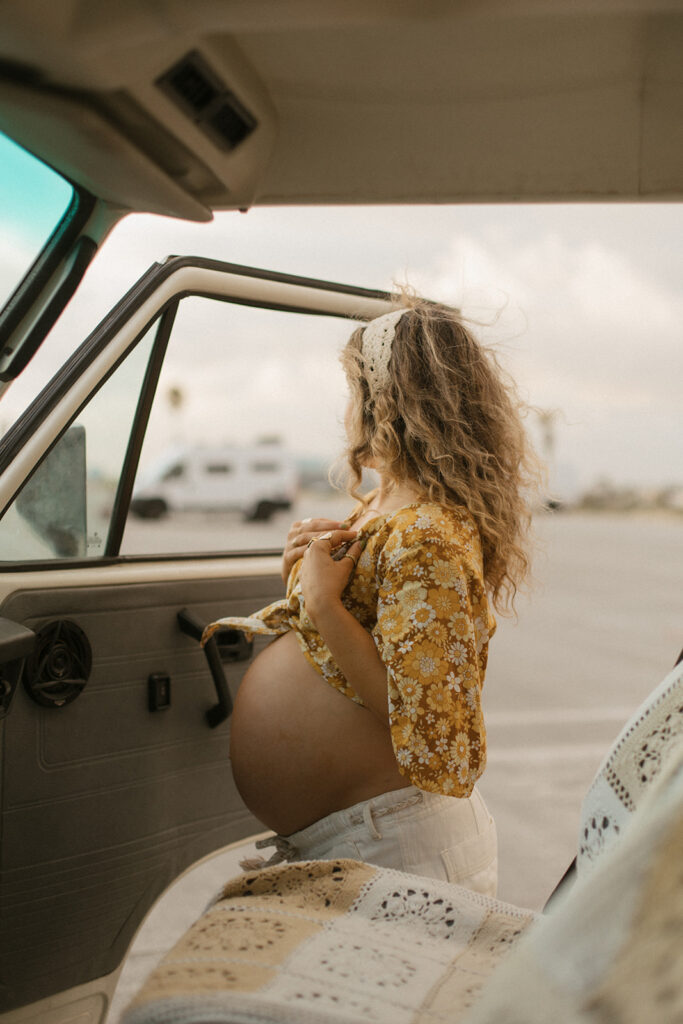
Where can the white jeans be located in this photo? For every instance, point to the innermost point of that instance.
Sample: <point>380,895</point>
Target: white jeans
<point>450,838</point>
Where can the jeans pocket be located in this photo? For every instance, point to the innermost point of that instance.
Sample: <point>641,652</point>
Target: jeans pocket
<point>474,861</point>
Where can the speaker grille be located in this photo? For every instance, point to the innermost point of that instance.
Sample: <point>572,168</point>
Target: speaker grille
<point>59,667</point>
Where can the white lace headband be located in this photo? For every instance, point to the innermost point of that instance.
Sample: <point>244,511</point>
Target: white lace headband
<point>376,342</point>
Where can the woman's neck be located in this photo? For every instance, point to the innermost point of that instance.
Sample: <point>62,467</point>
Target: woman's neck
<point>390,496</point>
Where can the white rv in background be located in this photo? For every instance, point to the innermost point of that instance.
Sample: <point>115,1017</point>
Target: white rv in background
<point>255,481</point>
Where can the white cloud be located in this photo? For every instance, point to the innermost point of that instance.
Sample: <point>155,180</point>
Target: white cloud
<point>585,329</point>
<point>582,303</point>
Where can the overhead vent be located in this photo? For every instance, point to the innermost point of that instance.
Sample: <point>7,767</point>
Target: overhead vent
<point>201,94</point>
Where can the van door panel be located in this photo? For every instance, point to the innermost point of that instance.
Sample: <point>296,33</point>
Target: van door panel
<point>154,787</point>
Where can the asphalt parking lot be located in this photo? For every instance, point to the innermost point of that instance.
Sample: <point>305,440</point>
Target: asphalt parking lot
<point>600,629</point>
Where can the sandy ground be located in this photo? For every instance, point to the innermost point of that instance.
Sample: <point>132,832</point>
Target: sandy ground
<point>600,629</point>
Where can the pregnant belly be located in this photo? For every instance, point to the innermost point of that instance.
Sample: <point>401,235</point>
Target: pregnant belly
<point>300,749</point>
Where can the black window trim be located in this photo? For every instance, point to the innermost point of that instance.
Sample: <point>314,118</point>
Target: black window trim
<point>136,437</point>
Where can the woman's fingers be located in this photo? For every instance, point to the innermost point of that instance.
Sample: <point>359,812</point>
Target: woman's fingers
<point>304,532</point>
<point>332,539</point>
<point>314,525</point>
<point>326,571</point>
<point>309,528</point>
<point>353,552</point>
<point>334,535</point>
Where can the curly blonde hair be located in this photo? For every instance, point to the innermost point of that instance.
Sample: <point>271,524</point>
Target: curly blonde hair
<point>449,422</point>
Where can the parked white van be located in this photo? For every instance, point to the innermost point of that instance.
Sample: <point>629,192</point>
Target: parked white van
<point>256,481</point>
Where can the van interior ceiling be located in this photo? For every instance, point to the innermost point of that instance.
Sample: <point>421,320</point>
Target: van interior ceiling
<point>181,109</point>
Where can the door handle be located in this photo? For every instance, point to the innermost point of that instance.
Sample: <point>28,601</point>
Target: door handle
<point>191,626</point>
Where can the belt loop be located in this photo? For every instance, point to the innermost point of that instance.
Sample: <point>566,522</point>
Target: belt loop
<point>370,821</point>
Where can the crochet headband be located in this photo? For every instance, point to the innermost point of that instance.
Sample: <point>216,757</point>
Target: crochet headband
<point>376,342</point>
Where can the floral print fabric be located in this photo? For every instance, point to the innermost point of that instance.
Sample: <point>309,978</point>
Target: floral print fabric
<point>419,590</point>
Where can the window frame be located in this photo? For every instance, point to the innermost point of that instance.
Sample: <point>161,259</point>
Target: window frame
<point>37,415</point>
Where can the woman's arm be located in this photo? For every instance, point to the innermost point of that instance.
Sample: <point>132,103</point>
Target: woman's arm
<point>322,580</point>
<point>432,634</point>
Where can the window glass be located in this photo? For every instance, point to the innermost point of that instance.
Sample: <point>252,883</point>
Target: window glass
<point>33,200</point>
<point>246,421</point>
<point>64,510</point>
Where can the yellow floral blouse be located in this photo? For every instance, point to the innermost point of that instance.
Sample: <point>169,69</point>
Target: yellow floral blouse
<point>419,590</point>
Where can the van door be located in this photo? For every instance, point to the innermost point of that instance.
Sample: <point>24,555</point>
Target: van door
<point>114,779</point>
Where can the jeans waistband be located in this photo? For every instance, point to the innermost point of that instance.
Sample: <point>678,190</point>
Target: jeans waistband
<point>293,847</point>
<point>377,806</point>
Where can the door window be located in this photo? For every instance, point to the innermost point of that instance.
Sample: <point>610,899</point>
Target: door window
<point>248,417</point>
<point>245,421</point>
<point>65,508</point>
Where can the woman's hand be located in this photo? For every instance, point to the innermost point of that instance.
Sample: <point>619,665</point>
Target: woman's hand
<point>306,530</point>
<point>326,569</point>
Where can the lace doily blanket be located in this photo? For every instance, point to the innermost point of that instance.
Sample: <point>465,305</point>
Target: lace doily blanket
<point>611,950</point>
<point>332,941</point>
<point>630,769</point>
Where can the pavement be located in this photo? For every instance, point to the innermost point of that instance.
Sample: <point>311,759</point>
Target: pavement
<point>600,629</point>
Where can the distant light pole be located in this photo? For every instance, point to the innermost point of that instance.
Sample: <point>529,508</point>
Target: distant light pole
<point>547,419</point>
<point>176,400</point>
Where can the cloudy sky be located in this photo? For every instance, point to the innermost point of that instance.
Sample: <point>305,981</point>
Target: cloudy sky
<point>583,304</point>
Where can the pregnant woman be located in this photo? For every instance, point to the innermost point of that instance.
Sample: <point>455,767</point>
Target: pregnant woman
<point>358,732</point>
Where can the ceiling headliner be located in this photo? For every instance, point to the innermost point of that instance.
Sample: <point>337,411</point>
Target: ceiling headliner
<point>379,101</point>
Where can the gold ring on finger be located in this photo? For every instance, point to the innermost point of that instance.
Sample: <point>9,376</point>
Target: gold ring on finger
<point>351,559</point>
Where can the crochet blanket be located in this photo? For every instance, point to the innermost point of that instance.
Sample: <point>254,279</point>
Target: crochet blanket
<point>630,769</point>
<point>332,941</point>
<point>611,950</point>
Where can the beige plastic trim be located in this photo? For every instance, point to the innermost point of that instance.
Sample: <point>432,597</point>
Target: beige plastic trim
<point>185,280</point>
<point>127,573</point>
<point>85,1004</point>
<point>90,1003</point>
